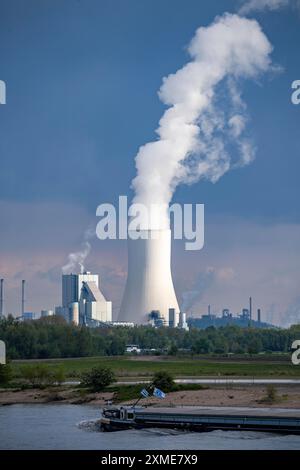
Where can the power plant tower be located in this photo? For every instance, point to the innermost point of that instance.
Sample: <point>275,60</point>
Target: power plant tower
<point>149,285</point>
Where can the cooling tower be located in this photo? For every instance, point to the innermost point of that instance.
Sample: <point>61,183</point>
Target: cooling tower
<point>149,283</point>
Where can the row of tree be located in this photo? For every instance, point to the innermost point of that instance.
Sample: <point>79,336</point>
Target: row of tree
<point>52,337</point>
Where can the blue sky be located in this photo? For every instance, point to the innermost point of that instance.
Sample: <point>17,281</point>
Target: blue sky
<point>82,81</point>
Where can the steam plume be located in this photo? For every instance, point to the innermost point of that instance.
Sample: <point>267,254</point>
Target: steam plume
<point>77,259</point>
<point>196,131</point>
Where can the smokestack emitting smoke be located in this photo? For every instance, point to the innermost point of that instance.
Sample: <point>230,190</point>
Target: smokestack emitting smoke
<point>77,259</point>
<point>191,145</point>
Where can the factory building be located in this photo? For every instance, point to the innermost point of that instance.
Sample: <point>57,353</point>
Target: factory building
<point>47,313</point>
<point>82,300</point>
<point>93,305</point>
<point>176,320</point>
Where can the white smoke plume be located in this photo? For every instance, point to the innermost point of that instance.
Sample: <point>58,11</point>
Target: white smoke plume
<point>251,6</point>
<point>196,132</point>
<point>76,260</point>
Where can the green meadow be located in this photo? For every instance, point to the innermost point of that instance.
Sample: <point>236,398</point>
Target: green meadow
<point>126,367</point>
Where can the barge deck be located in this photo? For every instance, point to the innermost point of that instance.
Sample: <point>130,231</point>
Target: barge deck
<point>202,419</point>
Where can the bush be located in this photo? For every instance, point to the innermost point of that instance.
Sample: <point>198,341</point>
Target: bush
<point>41,376</point>
<point>98,378</point>
<point>59,375</point>
<point>271,395</point>
<point>5,374</point>
<point>164,381</point>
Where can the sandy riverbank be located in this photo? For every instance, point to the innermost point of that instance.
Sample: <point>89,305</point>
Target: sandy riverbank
<point>250,396</point>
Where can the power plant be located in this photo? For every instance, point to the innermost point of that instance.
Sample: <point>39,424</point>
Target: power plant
<point>82,300</point>
<point>149,287</point>
<point>149,297</point>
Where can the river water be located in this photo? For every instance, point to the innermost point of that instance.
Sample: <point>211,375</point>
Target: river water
<point>74,427</point>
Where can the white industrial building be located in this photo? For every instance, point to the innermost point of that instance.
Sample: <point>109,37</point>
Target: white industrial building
<point>82,300</point>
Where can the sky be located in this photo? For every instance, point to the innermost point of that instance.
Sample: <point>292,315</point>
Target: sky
<point>82,79</point>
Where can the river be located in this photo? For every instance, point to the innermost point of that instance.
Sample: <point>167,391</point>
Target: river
<point>60,426</point>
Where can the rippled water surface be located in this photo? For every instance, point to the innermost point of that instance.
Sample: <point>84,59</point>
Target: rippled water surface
<point>75,427</point>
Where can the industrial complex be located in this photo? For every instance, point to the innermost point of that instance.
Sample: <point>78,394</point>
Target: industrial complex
<point>149,297</point>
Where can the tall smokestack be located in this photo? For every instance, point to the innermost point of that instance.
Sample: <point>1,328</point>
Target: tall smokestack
<point>23,298</point>
<point>1,297</point>
<point>149,283</point>
<point>250,308</point>
<point>258,315</point>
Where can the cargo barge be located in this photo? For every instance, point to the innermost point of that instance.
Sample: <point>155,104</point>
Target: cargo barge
<point>202,419</point>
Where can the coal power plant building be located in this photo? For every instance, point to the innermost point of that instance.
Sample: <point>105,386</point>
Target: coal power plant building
<point>82,300</point>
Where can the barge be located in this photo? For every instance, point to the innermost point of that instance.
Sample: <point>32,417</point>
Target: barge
<point>202,419</point>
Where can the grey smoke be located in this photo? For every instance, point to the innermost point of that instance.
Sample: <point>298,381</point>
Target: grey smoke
<point>202,282</point>
<point>292,314</point>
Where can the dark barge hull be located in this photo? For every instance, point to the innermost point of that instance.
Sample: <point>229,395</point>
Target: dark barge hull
<point>194,420</point>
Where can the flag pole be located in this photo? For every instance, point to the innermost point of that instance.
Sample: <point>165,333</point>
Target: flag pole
<point>149,388</point>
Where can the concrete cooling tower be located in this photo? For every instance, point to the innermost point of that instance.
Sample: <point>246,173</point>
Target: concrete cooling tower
<point>149,285</point>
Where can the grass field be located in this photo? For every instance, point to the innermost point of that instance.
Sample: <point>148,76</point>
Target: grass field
<point>180,367</point>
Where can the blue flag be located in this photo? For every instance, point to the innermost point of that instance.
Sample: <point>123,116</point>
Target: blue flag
<point>158,393</point>
<point>144,393</point>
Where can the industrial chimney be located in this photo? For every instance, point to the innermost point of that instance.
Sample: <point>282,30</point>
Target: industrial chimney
<point>1,297</point>
<point>149,285</point>
<point>258,315</point>
<point>23,298</point>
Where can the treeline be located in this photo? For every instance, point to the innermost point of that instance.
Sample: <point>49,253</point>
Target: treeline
<point>52,337</point>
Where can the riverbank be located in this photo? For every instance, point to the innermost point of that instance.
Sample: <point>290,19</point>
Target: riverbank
<point>249,396</point>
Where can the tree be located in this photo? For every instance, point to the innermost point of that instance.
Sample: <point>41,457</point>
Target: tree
<point>98,378</point>
<point>164,381</point>
<point>201,346</point>
<point>173,350</point>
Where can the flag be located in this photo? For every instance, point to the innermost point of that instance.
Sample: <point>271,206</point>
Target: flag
<point>158,393</point>
<point>144,393</point>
